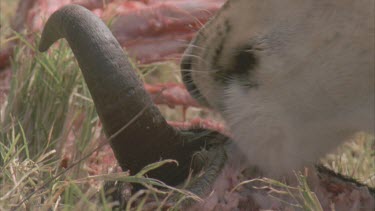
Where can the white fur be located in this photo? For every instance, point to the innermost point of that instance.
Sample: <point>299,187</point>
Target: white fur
<point>315,76</point>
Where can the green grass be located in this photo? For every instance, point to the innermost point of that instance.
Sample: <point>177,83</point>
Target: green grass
<point>46,99</point>
<point>49,109</point>
<point>355,159</point>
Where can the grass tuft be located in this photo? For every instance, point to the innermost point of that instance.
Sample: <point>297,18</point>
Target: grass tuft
<point>49,123</point>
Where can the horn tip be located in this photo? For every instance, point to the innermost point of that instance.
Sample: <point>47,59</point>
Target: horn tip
<point>42,47</point>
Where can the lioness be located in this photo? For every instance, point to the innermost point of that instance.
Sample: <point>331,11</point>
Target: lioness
<point>293,79</point>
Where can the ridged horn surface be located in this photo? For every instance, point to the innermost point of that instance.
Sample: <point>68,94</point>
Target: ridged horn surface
<point>118,94</point>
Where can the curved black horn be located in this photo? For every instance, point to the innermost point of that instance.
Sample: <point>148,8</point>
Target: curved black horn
<point>119,95</point>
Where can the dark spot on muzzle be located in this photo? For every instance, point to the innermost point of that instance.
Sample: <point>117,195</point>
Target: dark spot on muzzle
<point>241,69</point>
